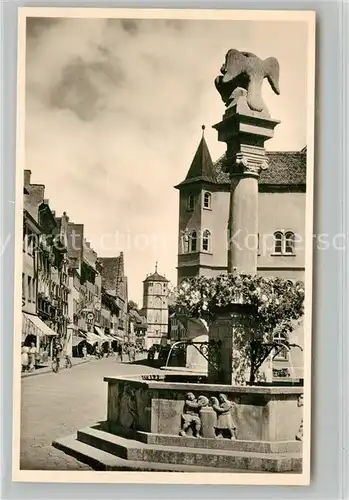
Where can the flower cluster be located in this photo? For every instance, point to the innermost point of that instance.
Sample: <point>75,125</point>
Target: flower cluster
<point>279,302</point>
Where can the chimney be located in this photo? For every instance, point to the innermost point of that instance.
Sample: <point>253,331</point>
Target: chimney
<point>27,176</point>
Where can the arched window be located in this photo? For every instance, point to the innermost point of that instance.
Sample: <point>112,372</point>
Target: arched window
<point>289,242</point>
<point>283,353</point>
<point>185,242</point>
<point>206,241</point>
<point>190,202</point>
<point>193,241</point>
<point>207,200</point>
<point>278,237</point>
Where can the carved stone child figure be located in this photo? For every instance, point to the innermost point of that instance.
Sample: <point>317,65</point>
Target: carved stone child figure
<point>225,422</point>
<point>208,418</point>
<point>190,416</point>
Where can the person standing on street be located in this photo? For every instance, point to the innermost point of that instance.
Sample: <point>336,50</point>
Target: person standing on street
<point>84,351</point>
<point>132,353</point>
<point>32,356</point>
<point>120,352</point>
<point>25,358</point>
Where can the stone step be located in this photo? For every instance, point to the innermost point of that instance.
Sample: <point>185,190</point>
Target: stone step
<point>216,444</point>
<point>130,449</point>
<point>102,461</point>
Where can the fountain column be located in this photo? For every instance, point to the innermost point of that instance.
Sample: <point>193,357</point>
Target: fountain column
<point>245,127</point>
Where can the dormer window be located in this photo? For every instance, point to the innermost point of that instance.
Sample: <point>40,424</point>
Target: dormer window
<point>207,200</point>
<point>190,202</point>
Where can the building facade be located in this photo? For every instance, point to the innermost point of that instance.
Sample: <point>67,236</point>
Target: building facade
<point>204,198</point>
<point>44,278</point>
<point>114,285</point>
<point>155,308</point>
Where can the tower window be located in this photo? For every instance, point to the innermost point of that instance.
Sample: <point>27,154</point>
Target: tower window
<point>289,242</point>
<point>185,242</point>
<point>190,202</point>
<point>206,241</point>
<point>207,200</point>
<point>193,241</point>
<point>278,237</point>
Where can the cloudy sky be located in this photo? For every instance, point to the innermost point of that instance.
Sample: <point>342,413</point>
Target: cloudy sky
<point>114,110</point>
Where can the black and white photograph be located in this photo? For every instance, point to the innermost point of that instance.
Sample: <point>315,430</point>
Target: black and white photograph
<point>164,235</point>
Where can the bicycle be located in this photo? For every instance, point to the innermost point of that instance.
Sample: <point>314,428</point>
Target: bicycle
<point>55,365</point>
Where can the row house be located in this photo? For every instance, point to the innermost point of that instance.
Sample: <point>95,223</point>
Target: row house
<point>65,295</point>
<point>94,312</point>
<point>114,283</point>
<point>44,278</point>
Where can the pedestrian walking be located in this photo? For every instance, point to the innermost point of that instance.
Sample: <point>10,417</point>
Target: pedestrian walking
<point>31,357</point>
<point>84,352</point>
<point>120,352</point>
<point>25,357</point>
<point>132,353</point>
<point>97,352</point>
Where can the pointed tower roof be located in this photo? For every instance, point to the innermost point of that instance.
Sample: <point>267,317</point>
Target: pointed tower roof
<point>156,276</point>
<point>201,168</point>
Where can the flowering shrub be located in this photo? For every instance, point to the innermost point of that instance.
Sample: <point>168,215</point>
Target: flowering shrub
<point>278,302</point>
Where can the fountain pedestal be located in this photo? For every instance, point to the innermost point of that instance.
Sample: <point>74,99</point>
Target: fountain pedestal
<point>245,132</point>
<point>222,334</point>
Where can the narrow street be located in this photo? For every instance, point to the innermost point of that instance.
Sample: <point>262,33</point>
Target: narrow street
<point>56,405</point>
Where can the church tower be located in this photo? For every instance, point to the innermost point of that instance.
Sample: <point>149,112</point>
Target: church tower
<point>202,207</point>
<point>155,307</point>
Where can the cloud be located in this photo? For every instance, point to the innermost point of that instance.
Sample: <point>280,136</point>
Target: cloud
<point>114,111</point>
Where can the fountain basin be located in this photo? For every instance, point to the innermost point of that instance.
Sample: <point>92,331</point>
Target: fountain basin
<point>270,414</point>
<point>144,419</point>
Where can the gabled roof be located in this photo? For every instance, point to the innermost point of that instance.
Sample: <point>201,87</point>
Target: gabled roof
<point>201,168</point>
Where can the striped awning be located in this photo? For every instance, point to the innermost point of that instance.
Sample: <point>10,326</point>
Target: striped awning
<point>33,325</point>
<point>101,334</point>
<point>90,337</point>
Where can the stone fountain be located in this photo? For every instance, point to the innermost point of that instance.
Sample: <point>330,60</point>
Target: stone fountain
<point>168,422</point>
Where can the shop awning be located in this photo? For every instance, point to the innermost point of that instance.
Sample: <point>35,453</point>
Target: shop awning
<point>116,337</point>
<point>77,338</point>
<point>33,325</point>
<point>91,338</point>
<point>101,334</point>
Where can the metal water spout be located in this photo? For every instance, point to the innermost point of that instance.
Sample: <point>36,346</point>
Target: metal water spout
<point>171,349</point>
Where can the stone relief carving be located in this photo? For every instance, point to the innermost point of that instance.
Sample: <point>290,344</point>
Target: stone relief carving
<point>190,416</point>
<point>128,407</point>
<point>208,418</point>
<point>225,423</point>
<point>242,73</point>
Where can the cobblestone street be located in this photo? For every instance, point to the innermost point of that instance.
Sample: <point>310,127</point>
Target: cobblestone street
<point>56,405</point>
